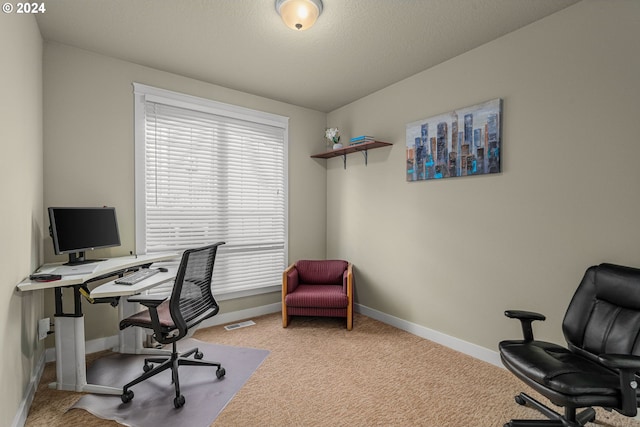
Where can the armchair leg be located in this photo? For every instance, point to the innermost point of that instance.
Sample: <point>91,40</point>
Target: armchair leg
<point>285,315</point>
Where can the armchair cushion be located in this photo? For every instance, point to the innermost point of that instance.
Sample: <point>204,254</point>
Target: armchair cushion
<point>330,296</point>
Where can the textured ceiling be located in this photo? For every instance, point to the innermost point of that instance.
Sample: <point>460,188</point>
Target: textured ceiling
<point>356,48</point>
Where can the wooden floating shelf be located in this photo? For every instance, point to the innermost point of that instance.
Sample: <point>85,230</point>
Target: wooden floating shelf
<point>351,149</point>
<point>364,147</point>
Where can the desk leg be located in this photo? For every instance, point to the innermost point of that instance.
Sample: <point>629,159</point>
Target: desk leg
<point>70,357</point>
<point>131,339</point>
<point>71,367</point>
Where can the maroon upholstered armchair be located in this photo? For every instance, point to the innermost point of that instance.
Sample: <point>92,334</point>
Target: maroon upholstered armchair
<point>318,288</point>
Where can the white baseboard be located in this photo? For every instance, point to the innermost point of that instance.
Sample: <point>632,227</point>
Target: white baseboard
<point>457,344</point>
<point>23,410</point>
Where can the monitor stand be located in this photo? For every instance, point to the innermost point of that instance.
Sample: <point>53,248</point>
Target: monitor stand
<point>77,258</point>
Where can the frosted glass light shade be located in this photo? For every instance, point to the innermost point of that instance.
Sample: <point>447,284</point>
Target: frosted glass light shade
<point>299,14</point>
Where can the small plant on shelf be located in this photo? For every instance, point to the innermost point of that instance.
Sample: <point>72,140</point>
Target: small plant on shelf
<point>333,137</point>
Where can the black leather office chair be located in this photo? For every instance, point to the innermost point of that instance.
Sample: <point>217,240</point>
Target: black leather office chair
<point>599,365</point>
<point>191,302</point>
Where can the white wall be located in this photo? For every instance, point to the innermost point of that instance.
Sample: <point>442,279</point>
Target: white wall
<point>88,155</point>
<point>452,255</point>
<point>21,222</point>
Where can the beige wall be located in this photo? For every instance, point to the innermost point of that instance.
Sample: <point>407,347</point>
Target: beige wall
<point>88,155</point>
<point>452,255</point>
<point>21,221</point>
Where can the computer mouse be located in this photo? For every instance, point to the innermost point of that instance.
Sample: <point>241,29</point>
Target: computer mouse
<point>162,269</point>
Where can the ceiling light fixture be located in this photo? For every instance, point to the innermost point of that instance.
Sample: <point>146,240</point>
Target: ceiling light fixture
<point>299,14</point>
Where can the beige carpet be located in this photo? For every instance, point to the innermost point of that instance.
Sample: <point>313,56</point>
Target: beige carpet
<point>320,374</point>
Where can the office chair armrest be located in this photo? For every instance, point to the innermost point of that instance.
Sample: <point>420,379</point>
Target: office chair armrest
<point>627,365</point>
<point>148,300</point>
<point>152,302</point>
<point>525,318</point>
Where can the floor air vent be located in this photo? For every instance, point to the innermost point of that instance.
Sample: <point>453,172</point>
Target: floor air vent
<point>239,325</point>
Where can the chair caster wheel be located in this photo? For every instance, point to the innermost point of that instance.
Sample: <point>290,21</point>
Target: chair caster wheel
<point>220,372</point>
<point>520,401</point>
<point>178,402</point>
<point>127,396</point>
<point>198,355</point>
<point>147,367</point>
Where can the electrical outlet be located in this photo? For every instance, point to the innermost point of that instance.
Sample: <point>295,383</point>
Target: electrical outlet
<point>43,328</point>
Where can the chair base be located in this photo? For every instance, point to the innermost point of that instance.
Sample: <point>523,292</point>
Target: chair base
<point>570,418</point>
<point>172,362</point>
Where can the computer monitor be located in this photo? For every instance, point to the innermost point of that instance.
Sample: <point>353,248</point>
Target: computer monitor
<point>76,230</point>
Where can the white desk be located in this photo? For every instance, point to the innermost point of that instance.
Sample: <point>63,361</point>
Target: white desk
<point>71,373</point>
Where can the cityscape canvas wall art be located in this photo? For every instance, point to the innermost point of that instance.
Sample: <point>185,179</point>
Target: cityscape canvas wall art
<point>464,142</point>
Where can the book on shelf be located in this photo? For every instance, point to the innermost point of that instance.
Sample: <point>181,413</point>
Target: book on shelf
<point>361,139</point>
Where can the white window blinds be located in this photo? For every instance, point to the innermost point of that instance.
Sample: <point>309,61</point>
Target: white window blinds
<point>212,172</point>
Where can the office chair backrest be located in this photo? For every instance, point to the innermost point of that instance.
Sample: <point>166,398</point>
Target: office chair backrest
<point>604,314</point>
<point>192,300</point>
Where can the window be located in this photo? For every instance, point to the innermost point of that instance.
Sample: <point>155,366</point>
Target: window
<point>207,172</point>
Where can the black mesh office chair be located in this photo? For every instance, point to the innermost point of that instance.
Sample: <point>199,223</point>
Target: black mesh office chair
<point>191,302</point>
<point>599,365</point>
